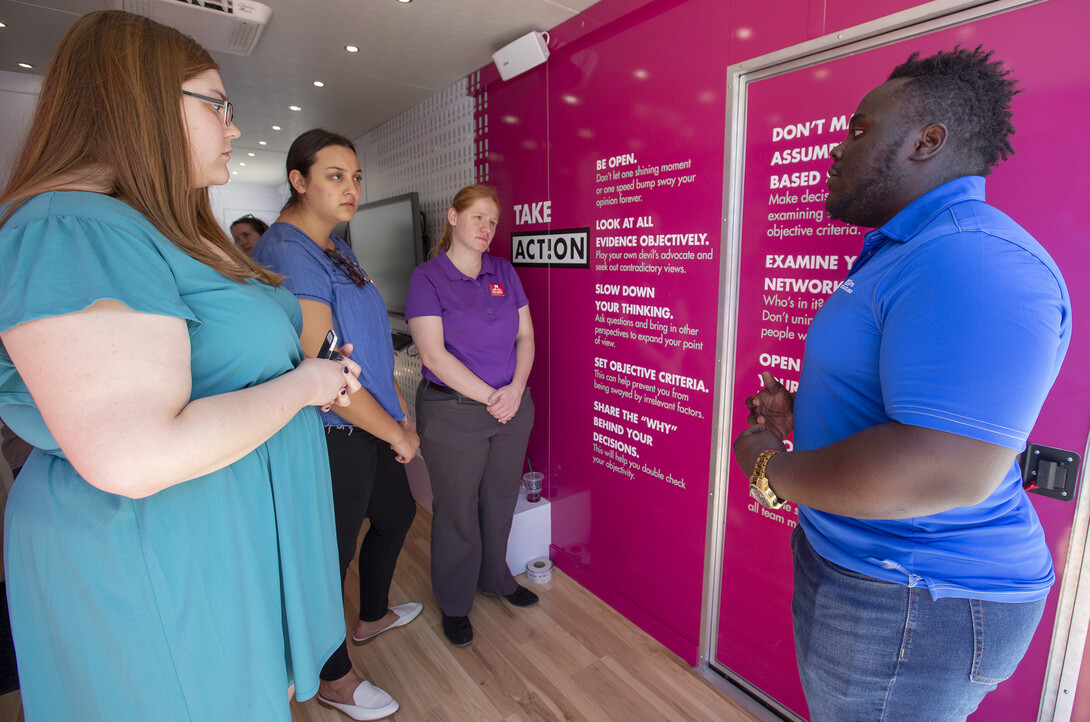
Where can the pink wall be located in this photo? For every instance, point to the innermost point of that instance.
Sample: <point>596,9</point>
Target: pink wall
<point>634,538</point>
<point>636,87</point>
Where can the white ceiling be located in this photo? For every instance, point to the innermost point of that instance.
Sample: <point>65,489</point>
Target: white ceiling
<point>408,52</point>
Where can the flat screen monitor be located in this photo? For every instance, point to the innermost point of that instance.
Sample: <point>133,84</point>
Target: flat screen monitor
<point>387,238</point>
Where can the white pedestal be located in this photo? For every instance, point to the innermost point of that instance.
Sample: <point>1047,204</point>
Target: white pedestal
<point>531,533</point>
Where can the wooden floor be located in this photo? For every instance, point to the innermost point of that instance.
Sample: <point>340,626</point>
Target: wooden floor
<point>569,658</point>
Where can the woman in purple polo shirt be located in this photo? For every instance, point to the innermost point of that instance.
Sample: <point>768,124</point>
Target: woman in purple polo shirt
<point>470,320</point>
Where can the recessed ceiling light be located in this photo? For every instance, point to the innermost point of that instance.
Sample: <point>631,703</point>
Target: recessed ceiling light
<point>252,155</point>
<point>242,164</point>
<point>351,48</point>
<point>296,108</point>
<point>28,66</point>
<point>234,172</point>
<point>276,127</point>
<point>2,25</point>
<point>261,142</point>
<point>404,2</point>
<point>319,84</point>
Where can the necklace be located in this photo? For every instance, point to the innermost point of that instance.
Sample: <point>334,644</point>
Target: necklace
<point>350,268</point>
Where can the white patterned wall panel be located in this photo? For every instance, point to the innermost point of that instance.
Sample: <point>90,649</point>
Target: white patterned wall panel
<point>407,373</point>
<point>428,149</point>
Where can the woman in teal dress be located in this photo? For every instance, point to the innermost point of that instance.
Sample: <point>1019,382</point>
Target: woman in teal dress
<point>169,545</point>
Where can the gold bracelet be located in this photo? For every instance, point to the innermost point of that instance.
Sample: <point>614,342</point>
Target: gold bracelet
<point>758,482</point>
<point>762,463</point>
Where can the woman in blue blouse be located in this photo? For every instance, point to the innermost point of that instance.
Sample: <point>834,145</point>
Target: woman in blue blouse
<point>369,444</point>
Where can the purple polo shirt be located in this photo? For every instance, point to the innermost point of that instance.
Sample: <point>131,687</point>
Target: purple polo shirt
<point>480,315</point>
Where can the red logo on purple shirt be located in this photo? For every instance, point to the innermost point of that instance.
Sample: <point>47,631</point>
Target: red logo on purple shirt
<point>496,289</point>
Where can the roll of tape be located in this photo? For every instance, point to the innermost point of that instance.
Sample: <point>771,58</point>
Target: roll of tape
<point>539,570</point>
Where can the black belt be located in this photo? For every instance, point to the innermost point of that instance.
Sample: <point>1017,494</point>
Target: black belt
<point>447,391</point>
<point>429,384</point>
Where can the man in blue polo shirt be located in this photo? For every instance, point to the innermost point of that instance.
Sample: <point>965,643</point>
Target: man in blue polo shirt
<point>921,569</point>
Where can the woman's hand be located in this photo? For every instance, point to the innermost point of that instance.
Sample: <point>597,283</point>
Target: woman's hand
<point>335,379</point>
<point>407,447</point>
<point>504,402</point>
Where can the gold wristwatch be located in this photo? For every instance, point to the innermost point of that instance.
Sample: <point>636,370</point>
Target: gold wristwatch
<point>758,483</point>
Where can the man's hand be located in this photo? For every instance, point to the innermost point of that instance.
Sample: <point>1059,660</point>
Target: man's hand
<point>751,442</point>
<point>772,407</point>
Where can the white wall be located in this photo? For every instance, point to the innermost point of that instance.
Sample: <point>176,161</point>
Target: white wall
<point>428,149</point>
<point>18,94</point>
<point>234,200</point>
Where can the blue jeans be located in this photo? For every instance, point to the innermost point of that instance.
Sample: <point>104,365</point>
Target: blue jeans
<point>868,649</point>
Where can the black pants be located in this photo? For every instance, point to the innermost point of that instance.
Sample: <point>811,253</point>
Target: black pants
<point>9,673</point>
<point>368,483</point>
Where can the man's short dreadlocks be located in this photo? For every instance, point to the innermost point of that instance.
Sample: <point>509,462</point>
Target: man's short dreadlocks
<point>970,95</point>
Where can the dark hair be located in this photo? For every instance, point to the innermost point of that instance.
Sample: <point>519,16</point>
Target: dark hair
<point>464,199</point>
<point>967,92</point>
<point>254,222</point>
<point>303,153</point>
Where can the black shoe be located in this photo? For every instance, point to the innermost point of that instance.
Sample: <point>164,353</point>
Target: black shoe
<point>458,630</point>
<point>521,597</point>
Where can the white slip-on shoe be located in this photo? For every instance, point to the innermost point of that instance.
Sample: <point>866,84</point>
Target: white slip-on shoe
<point>405,612</point>
<point>370,703</point>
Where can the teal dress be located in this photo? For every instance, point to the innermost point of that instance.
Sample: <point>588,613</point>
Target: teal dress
<point>204,601</point>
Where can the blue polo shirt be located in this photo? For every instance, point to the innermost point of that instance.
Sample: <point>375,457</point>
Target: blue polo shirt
<point>359,314</point>
<point>480,315</point>
<point>952,318</point>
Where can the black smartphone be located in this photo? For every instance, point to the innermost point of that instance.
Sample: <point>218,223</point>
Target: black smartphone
<point>329,346</point>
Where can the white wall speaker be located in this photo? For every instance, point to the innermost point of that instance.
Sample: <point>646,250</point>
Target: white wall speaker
<point>529,51</point>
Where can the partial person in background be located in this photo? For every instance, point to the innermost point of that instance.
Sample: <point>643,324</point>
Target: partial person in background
<point>247,232</point>
<point>921,569</point>
<point>169,546</point>
<point>15,450</point>
<point>470,320</point>
<point>372,439</point>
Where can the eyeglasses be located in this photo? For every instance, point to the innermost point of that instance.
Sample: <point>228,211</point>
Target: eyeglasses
<point>222,104</point>
<point>351,269</point>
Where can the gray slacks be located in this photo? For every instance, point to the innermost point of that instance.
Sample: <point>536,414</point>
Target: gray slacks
<point>475,465</point>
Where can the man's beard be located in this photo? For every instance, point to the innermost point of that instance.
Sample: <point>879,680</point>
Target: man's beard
<point>873,187</point>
